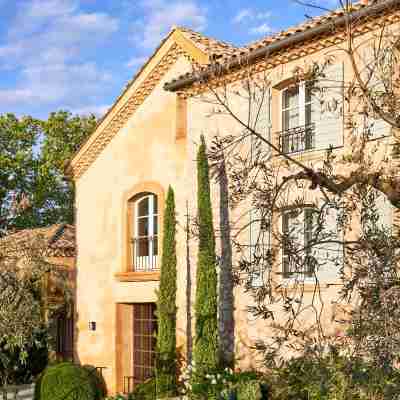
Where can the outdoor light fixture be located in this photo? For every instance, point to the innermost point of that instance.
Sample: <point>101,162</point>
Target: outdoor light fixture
<point>92,326</point>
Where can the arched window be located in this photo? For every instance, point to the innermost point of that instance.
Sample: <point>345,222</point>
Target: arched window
<point>145,232</point>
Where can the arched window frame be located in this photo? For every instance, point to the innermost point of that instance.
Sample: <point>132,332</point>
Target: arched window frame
<point>145,244</point>
<point>127,272</point>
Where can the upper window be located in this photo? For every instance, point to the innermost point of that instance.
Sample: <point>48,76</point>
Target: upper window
<point>145,233</point>
<point>298,118</point>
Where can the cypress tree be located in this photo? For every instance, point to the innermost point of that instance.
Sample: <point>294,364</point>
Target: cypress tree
<point>205,351</point>
<point>166,363</point>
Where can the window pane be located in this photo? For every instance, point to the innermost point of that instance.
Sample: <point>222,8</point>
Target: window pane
<point>143,207</point>
<point>142,247</point>
<point>155,225</point>
<point>308,93</point>
<point>291,97</point>
<point>143,227</point>
<point>155,246</point>
<point>155,211</point>
<point>291,118</point>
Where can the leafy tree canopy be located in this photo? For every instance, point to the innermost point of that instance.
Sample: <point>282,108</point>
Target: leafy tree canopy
<point>34,191</point>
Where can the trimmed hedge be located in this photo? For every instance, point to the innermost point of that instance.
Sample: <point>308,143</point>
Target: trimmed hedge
<point>66,381</point>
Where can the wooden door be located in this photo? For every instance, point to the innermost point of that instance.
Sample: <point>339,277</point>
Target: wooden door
<point>144,341</point>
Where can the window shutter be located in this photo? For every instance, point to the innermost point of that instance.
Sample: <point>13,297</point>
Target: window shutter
<point>329,108</point>
<point>262,120</point>
<point>330,255</point>
<point>259,245</point>
<point>376,126</point>
<point>385,210</point>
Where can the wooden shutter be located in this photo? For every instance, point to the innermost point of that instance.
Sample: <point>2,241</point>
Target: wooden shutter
<point>261,115</point>
<point>330,255</point>
<point>376,126</point>
<point>329,108</point>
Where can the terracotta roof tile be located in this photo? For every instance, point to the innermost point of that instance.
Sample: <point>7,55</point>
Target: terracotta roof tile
<point>308,24</point>
<point>210,46</point>
<point>60,238</point>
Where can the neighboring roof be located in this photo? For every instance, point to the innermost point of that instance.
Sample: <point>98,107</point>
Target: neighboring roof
<point>255,51</point>
<point>59,238</point>
<point>198,48</point>
<point>213,47</point>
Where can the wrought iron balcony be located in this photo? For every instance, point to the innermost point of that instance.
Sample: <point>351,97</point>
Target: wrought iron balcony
<point>144,253</point>
<point>297,139</point>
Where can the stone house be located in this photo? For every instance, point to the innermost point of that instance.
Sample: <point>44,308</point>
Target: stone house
<point>58,243</point>
<point>147,141</point>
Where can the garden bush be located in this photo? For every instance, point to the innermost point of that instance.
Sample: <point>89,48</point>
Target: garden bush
<point>333,377</point>
<point>35,360</point>
<point>66,381</point>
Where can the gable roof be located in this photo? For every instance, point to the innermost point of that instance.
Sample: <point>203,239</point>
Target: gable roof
<point>199,49</point>
<point>266,47</point>
<point>212,47</point>
<point>59,239</point>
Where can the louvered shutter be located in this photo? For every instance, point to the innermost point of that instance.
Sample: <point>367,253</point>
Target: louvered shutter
<point>330,255</point>
<point>261,115</point>
<point>376,126</point>
<point>329,108</point>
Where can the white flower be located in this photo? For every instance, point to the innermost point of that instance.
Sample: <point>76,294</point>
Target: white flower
<point>213,382</point>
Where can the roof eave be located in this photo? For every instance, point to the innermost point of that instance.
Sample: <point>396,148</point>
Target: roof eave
<point>263,52</point>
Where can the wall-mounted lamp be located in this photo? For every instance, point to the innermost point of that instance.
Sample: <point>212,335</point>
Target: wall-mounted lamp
<point>92,326</point>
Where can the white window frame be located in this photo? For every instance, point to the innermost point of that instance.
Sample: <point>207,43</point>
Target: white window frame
<point>145,263</point>
<point>296,275</point>
<point>302,104</point>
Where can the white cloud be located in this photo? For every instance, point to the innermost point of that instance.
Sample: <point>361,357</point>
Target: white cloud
<point>136,62</point>
<point>161,15</point>
<point>99,111</point>
<point>242,15</point>
<point>45,44</point>
<point>252,16</point>
<point>262,29</point>
<point>248,14</point>
<point>65,84</point>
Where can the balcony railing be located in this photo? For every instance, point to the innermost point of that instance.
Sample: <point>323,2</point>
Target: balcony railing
<point>297,139</point>
<point>129,384</point>
<point>144,253</point>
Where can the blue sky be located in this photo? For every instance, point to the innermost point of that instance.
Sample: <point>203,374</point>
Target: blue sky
<point>77,55</point>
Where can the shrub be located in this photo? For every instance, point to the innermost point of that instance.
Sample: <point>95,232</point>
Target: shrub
<point>22,370</point>
<point>97,379</point>
<point>66,381</point>
<point>333,377</point>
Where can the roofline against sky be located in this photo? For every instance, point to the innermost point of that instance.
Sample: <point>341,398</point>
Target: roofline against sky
<point>252,57</point>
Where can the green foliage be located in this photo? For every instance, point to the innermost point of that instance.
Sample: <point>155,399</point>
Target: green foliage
<point>33,154</point>
<point>21,369</point>
<point>249,390</point>
<point>332,377</point>
<point>67,381</point>
<point>205,351</point>
<point>143,391</point>
<point>166,363</point>
<point>97,379</point>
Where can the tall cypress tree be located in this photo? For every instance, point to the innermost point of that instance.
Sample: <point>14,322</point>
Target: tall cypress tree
<point>166,363</point>
<point>205,351</point>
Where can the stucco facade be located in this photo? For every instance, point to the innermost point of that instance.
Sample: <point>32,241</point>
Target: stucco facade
<point>145,143</point>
